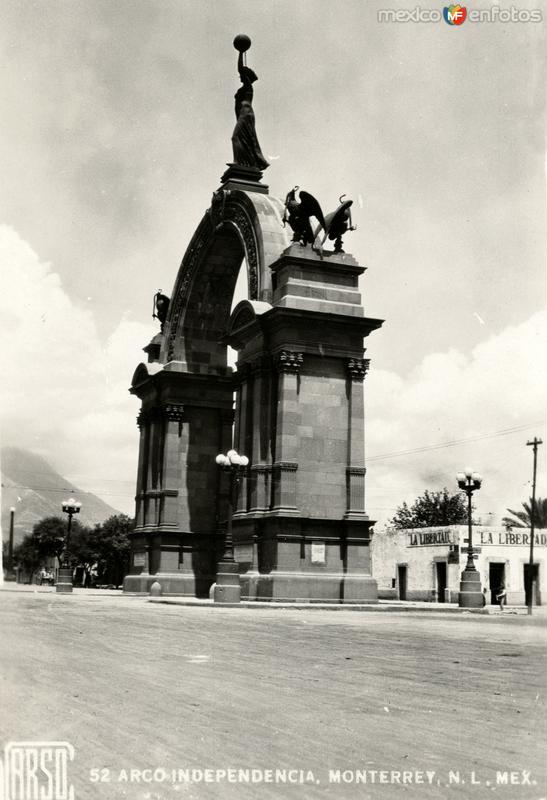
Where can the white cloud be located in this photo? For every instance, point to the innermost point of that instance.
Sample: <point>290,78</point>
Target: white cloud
<point>65,392</point>
<point>66,397</point>
<point>502,385</point>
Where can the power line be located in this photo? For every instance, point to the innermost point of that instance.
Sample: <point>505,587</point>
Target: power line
<point>80,477</point>
<point>66,490</point>
<point>382,457</point>
<point>455,442</point>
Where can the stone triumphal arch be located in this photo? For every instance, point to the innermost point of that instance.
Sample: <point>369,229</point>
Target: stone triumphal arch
<point>294,404</point>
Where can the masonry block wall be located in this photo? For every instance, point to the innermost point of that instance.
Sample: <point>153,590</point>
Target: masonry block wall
<point>322,438</point>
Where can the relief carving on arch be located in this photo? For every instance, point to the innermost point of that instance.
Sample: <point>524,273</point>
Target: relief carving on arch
<point>223,210</point>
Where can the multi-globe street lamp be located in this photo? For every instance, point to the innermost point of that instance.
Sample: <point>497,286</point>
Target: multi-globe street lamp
<point>228,586</point>
<point>64,577</point>
<point>470,585</point>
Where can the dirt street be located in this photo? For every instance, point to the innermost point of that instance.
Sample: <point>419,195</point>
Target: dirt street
<point>164,702</point>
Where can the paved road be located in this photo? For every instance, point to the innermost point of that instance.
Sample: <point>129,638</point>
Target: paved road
<point>416,703</point>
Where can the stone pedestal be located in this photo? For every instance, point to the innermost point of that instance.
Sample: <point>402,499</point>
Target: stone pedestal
<point>470,589</point>
<point>227,588</point>
<point>64,580</point>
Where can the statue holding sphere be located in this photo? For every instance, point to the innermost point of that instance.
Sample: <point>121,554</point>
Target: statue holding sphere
<point>245,144</point>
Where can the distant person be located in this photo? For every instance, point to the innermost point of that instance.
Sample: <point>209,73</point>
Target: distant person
<point>501,596</point>
<point>484,597</point>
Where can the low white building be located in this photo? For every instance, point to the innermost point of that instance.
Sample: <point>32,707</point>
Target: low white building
<point>426,563</point>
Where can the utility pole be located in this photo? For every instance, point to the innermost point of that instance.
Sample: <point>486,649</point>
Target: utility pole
<point>531,575</point>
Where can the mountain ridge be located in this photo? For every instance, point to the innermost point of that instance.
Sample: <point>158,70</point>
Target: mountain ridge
<point>36,490</point>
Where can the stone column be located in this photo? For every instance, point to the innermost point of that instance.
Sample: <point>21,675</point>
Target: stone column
<point>226,436</point>
<point>260,469</point>
<point>355,472</point>
<point>286,440</point>
<point>245,397</point>
<point>173,418</point>
<point>147,511</point>
<point>151,501</point>
<point>141,471</point>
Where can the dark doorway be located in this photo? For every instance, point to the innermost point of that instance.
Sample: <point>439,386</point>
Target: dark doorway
<point>401,580</point>
<point>527,582</point>
<point>441,580</point>
<point>497,579</point>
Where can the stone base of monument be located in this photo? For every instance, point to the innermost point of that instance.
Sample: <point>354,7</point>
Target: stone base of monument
<point>471,595</point>
<point>300,560</point>
<point>300,587</point>
<point>64,580</point>
<point>180,585</point>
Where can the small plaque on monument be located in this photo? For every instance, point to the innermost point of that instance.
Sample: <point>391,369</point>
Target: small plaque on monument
<point>139,559</point>
<point>318,553</point>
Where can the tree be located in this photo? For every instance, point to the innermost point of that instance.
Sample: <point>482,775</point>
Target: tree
<point>112,545</point>
<point>27,555</point>
<point>431,509</point>
<point>523,519</point>
<point>49,537</point>
<point>83,551</point>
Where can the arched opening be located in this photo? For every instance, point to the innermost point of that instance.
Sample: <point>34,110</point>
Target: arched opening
<point>210,302</point>
<point>241,292</point>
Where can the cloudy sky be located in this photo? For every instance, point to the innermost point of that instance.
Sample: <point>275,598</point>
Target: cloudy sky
<point>116,129</point>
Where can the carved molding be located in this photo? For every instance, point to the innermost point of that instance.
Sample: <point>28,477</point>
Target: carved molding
<point>146,417</point>
<point>239,217</point>
<point>174,412</point>
<point>285,466</point>
<point>289,361</point>
<point>187,271</point>
<point>358,368</point>
<point>223,210</point>
<point>261,468</point>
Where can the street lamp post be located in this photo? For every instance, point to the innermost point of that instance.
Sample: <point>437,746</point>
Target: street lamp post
<point>531,575</point>
<point>228,586</point>
<point>64,577</point>
<point>10,575</point>
<point>470,585</point>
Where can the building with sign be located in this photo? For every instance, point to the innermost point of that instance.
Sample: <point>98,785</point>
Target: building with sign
<point>426,563</point>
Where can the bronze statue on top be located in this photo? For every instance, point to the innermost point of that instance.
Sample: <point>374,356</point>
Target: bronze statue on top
<point>161,307</point>
<point>298,214</point>
<point>338,223</point>
<point>247,152</point>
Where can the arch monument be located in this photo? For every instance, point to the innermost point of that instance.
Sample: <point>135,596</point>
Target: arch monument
<point>294,404</point>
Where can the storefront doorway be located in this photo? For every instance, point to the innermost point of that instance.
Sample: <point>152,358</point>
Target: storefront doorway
<point>496,579</point>
<point>401,580</point>
<point>441,580</point>
<point>527,587</point>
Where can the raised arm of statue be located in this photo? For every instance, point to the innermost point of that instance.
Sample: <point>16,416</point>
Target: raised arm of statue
<point>241,66</point>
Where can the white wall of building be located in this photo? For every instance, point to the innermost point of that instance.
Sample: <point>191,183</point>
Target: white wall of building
<point>430,562</point>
